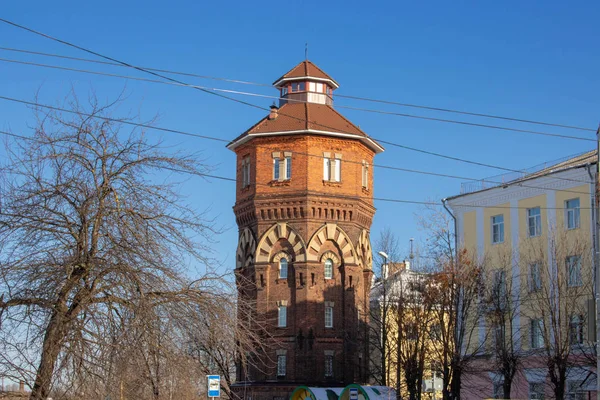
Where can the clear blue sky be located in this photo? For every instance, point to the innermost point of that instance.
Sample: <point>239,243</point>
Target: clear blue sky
<point>534,60</point>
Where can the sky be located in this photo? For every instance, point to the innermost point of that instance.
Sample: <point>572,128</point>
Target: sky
<point>529,60</point>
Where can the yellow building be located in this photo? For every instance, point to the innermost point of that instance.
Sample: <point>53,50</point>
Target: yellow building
<point>532,234</point>
<point>404,329</point>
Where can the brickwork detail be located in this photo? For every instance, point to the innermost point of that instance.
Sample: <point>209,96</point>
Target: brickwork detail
<point>246,249</point>
<point>280,231</point>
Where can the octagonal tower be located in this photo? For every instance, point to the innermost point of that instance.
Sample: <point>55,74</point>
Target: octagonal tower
<point>304,207</point>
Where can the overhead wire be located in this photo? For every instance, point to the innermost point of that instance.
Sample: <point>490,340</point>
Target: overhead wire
<point>320,156</point>
<point>217,91</point>
<point>361,98</point>
<point>332,195</point>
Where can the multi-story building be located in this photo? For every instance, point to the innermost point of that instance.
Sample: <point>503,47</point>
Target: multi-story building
<point>304,207</point>
<point>532,236</point>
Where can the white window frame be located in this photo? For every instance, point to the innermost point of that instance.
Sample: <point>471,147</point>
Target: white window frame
<point>573,213</point>
<point>282,316</point>
<point>284,91</point>
<point>365,175</point>
<point>287,167</point>
<point>246,172</point>
<point>534,222</point>
<point>326,169</point>
<point>319,87</point>
<point>283,268</point>
<point>535,277</point>
<point>573,265</point>
<point>575,330</point>
<point>276,169</point>
<point>328,269</point>
<point>500,226</point>
<point>328,366</point>
<point>537,333</point>
<point>536,390</point>
<point>281,365</point>
<point>328,316</point>
<point>337,169</point>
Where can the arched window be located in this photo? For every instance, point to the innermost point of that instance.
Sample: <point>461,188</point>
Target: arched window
<point>328,268</point>
<point>283,268</point>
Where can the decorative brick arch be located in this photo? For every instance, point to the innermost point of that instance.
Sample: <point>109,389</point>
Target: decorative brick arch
<point>336,234</point>
<point>364,251</point>
<point>246,249</point>
<point>272,235</point>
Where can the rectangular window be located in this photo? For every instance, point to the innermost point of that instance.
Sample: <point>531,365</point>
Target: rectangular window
<point>365,175</point>
<point>574,270</point>
<point>328,317</point>
<point>337,174</point>
<point>534,222</point>
<point>311,86</point>
<point>535,277</point>
<point>499,336</point>
<point>288,168</point>
<point>282,317</point>
<point>328,366</point>
<point>536,390</point>
<point>319,88</point>
<point>284,91</point>
<point>576,330</point>
<point>281,364</point>
<point>572,213</point>
<point>575,391</point>
<point>276,168</point>
<point>326,169</point>
<point>499,289</point>
<point>246,172</point>
<point>498,229</point>
<point>537,338</point>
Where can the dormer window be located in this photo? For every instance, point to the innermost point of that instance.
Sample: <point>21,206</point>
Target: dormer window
<point>298,87</point>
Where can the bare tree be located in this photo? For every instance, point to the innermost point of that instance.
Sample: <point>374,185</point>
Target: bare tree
<point>560,281</point>
<point>95,234</point>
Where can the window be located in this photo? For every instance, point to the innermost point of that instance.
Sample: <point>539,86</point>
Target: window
<point>498,391</point>
<point>282,316</point>
<point>572,213</point>
<point>276,168</point>
<point>365,175</point>
<point>326,169</point>
<point>281,364</point>
<point>288,167</point>
<point>246,172</point>
<point>535,277</point>
<point>284,91</point>
<point>536,390</point>
<point>574,270</point>
<point>534,222</point>
<point>498,229</point>
<point>499,335</point>
<point>283,268</point>
<point>575,391</point>
<point>576,330</point>
<point>337,170</point>
<point>328,365</point>
<point>499,289</point>
<point>328,269</point>
<point>537,338</point>
<point>319,88</point>
<point>298,87</point>
<point>328,316</point>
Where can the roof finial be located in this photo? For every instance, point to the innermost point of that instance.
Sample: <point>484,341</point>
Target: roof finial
<point>306,51</point>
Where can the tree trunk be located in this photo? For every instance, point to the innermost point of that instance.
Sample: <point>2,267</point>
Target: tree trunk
<point>55,333</point>
<point>506,386</point>
<point>455,383</point>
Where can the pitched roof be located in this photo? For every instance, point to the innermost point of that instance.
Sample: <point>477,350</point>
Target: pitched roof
<point>294,117</point>
<point>305,68</point>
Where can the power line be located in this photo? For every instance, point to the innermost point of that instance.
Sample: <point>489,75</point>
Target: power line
<point>146,126</point>
<point>216,91</point>
<point>380,101</point>
<point>392,200</point>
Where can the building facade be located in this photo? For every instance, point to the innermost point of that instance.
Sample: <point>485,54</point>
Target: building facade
<point>304,207</point>
<point>533,239</point>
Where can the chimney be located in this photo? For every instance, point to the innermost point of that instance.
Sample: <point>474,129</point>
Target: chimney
<point>273,114</point>
<point>22,386</point>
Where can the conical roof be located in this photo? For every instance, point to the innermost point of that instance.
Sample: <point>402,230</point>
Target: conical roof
<point>305,69</point>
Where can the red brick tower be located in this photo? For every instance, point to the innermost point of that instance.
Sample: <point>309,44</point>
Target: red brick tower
<point>304,207</point>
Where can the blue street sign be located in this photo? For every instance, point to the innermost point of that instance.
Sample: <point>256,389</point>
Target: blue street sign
<point>353,394</point>
<point>214,385</point>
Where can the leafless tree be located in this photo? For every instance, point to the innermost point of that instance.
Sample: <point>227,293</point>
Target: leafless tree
<point>560,281</point>
<point>95,238</point>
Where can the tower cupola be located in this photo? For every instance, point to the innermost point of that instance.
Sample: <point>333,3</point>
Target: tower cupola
<point>306,83</point>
